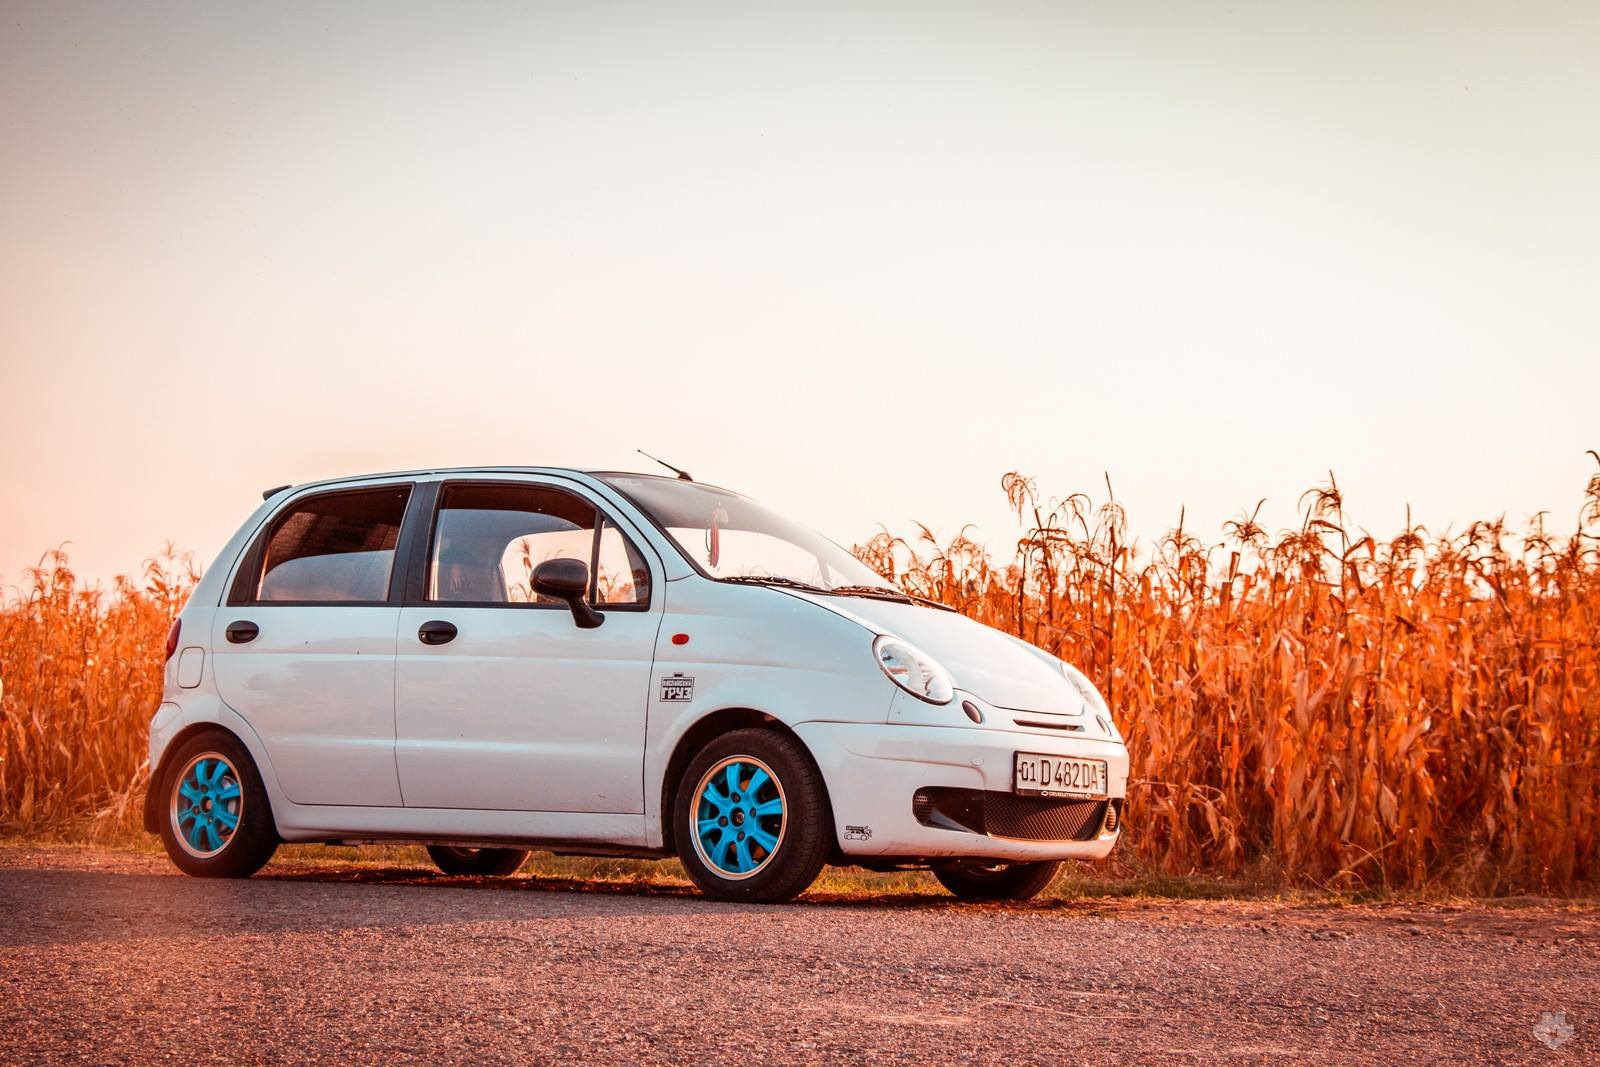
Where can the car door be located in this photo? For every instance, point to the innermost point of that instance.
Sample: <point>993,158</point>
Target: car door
<point>502,702</point>
<point>304,648</point>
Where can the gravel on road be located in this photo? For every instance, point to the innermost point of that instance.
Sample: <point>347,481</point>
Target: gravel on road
<point>114,957</point>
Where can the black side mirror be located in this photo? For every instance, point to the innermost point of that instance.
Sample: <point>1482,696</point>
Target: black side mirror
<point>568,579</point>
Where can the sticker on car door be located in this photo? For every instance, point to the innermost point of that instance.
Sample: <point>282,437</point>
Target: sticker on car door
<point>677,687</point>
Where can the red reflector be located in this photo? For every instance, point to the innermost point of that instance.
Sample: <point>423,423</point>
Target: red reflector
<point>680,639</point>
<point>172,637</point>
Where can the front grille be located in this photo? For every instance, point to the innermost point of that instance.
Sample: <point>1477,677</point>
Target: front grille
<point>1008,815</point>
<point>1040,725</point>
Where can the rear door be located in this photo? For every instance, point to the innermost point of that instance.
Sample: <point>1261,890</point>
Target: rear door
<point>304,649</point>
<point>519,709</point>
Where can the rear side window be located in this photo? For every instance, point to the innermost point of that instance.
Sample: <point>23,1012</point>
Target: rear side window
<point>337,548</point>
<point>489,539</point>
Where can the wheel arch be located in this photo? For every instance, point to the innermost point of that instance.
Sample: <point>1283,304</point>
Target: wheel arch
<point>158,774</point>
<point>697,736</point>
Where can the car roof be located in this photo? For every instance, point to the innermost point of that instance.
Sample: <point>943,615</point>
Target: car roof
<point>427,471</point>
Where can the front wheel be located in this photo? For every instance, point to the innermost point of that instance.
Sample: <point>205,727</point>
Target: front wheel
<point>752,818</point>
<point>997,881</point>
<point>218,821</point>
<point>490,862</point>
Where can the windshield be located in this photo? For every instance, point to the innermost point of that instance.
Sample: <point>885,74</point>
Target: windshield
<point>732,537</point>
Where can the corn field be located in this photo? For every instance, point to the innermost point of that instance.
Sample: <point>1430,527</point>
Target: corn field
<point>1320,706</point>
<point>81,677</point>
<point>1315,707</point>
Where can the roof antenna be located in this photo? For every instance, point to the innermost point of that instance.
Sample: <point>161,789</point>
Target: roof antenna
<point>683,475</point>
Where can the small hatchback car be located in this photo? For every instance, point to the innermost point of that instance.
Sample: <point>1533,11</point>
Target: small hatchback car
<point>498,659</point>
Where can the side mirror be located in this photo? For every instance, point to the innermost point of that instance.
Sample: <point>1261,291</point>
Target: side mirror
<point>568,579</point>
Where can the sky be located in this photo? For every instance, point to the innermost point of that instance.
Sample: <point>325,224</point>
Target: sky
<point>857,260</point>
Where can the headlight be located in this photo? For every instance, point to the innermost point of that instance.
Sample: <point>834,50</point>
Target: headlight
<point>1085,688</point>
<point>913,670</point>
<point>1092,697</point>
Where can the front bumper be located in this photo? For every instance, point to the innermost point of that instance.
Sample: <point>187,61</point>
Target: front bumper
<point>874,772</point>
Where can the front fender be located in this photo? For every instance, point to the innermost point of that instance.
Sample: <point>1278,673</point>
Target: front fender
<point>749,648</point>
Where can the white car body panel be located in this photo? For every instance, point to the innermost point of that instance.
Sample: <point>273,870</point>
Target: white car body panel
<point>755,648</point>
<point>869,767</point>
<point>318,686</point>
<point>527,730</point>
<point>521,687</point>
<point>982,661</point>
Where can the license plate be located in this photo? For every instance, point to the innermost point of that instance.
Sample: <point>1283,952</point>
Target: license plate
<point>1038,775</point>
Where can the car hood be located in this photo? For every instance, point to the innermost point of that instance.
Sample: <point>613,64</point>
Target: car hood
<point>991,665</point>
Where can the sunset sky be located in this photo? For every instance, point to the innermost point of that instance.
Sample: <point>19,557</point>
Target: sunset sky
<point>856,260</point>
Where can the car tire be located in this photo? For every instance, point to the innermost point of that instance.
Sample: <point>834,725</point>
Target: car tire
<point>998,881</point>
<point>752,820</point>
<point>484,862</point>
<point>210,783</point>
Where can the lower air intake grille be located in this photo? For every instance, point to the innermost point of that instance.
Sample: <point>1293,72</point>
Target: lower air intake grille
<point>1042,818</point>
<point>1008,815</point>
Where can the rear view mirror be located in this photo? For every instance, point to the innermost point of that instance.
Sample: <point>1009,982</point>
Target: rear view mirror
<point>568,580</point>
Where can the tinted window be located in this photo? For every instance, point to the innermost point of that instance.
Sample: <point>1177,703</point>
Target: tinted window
<point>489,539</point>
<point>335,548</point>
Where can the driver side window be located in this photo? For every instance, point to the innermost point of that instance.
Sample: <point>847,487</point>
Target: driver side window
<point>489,539</point>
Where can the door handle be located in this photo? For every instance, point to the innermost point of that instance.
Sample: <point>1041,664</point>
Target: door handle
<point>436,633</point>
<point>242,632</point>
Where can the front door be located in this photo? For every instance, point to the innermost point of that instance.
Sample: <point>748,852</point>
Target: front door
<point>502,702</point>
<point>304,649</point>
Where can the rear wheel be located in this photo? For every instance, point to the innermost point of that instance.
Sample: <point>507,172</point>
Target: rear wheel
<point>997,881</point>
<point>752,818</point>
<point>217,822</point>
<point>493,862</point>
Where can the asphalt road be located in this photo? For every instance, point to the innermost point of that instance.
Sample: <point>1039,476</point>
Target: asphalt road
<point>113,957</point>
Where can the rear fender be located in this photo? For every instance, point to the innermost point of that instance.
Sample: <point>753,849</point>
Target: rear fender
<point>174,723</point>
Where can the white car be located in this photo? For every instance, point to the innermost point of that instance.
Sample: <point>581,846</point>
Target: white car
<point>496,659</point>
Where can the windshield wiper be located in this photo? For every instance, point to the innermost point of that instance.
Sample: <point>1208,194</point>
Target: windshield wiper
<point>882,592</point>
<point>876,592</point>
<point>773,579</point>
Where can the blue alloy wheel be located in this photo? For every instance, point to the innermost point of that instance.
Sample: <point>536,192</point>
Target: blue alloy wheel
<point>739,817</point>
<point>207,804</point>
